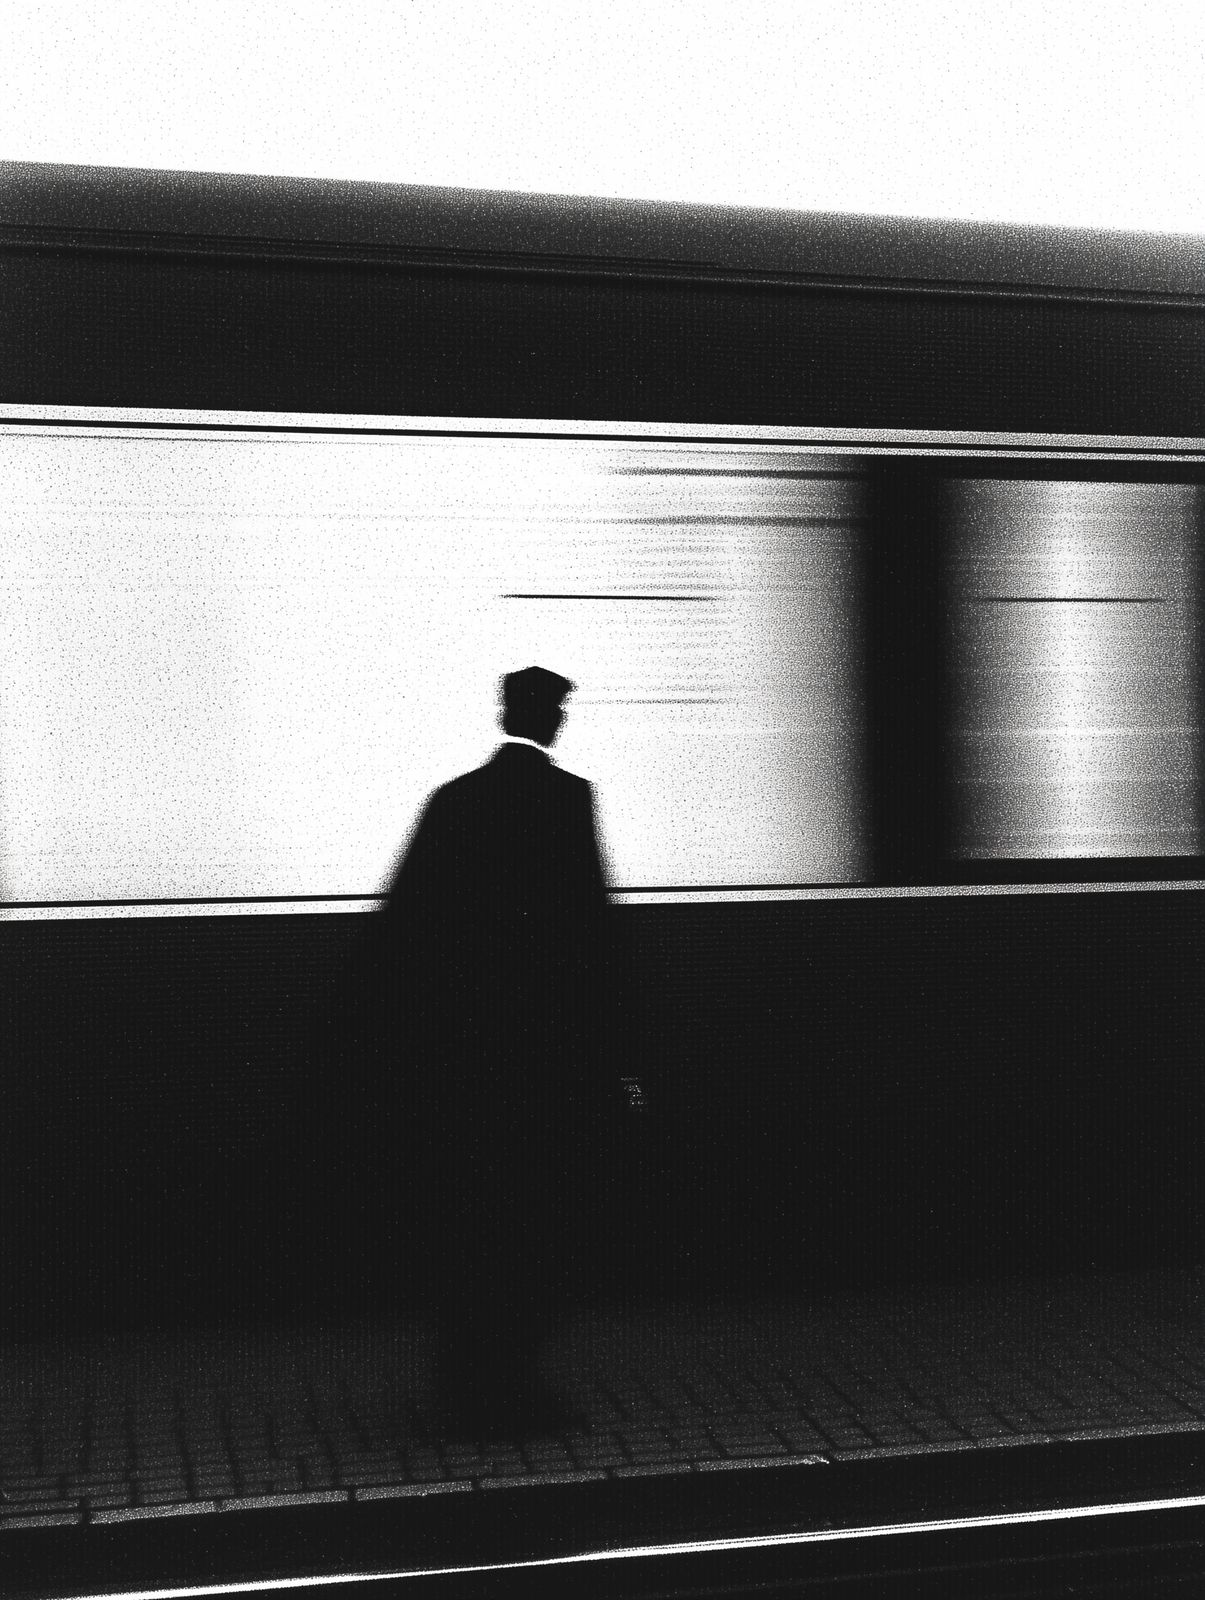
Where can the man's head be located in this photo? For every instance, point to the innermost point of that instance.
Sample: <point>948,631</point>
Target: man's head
<point>531,704</point>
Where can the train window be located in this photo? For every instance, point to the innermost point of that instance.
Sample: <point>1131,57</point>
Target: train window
<point>1073,615</point>
<point>238,660</point>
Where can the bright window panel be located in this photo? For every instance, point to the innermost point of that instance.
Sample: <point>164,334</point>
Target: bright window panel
<point>235,664</point>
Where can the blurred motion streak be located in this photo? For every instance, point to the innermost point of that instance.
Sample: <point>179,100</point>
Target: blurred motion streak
<point>1073,639</point>
<point>236,663</point>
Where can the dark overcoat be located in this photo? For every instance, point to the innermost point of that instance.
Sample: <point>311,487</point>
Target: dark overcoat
<point>497,1009</point>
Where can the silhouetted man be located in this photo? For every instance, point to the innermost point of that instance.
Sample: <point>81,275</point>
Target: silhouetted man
<point>495,932</point>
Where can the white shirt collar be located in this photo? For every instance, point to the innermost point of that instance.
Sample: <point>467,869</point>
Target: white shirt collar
<point>517,738</point>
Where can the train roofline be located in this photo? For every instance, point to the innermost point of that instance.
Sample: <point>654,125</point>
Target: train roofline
<point>77,206</point>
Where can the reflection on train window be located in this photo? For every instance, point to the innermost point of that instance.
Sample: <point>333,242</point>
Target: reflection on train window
<point>1072,612</point>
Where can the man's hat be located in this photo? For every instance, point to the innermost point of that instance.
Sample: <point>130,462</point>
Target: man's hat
<point>534,686</point>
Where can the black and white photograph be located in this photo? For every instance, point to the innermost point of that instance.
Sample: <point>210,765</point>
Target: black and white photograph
<point>602,800</point>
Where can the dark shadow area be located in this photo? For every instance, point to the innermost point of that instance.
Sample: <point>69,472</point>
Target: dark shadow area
<point>493,339</point>
<point>200,1123</point>
<point>907,676</point>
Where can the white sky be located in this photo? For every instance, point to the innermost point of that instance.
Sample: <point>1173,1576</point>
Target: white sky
<point>1060,111</point>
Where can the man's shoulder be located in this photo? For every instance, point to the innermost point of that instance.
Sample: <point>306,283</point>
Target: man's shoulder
<point>572,780</point>
<point>572,792</point>
<point>526,761</point>
<point>463,783</point>
<point>493,774</point>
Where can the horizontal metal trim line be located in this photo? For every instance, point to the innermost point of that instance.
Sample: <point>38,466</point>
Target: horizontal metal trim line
<point>938,891</point>
<point>684,1547</point>
<point>307,899</point>
<point>691,274</point>
<point>735,472</point>
<point>765,434</point>
<point>697,893</point>
<point>316,899</point>
<point>189,900</point>
<point>809,438</point>
<point>723,519</point>
<point>674,599</point>
<point>1066,599</point>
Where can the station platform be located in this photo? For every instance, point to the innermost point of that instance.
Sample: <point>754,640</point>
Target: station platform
<point>130,1427</point>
